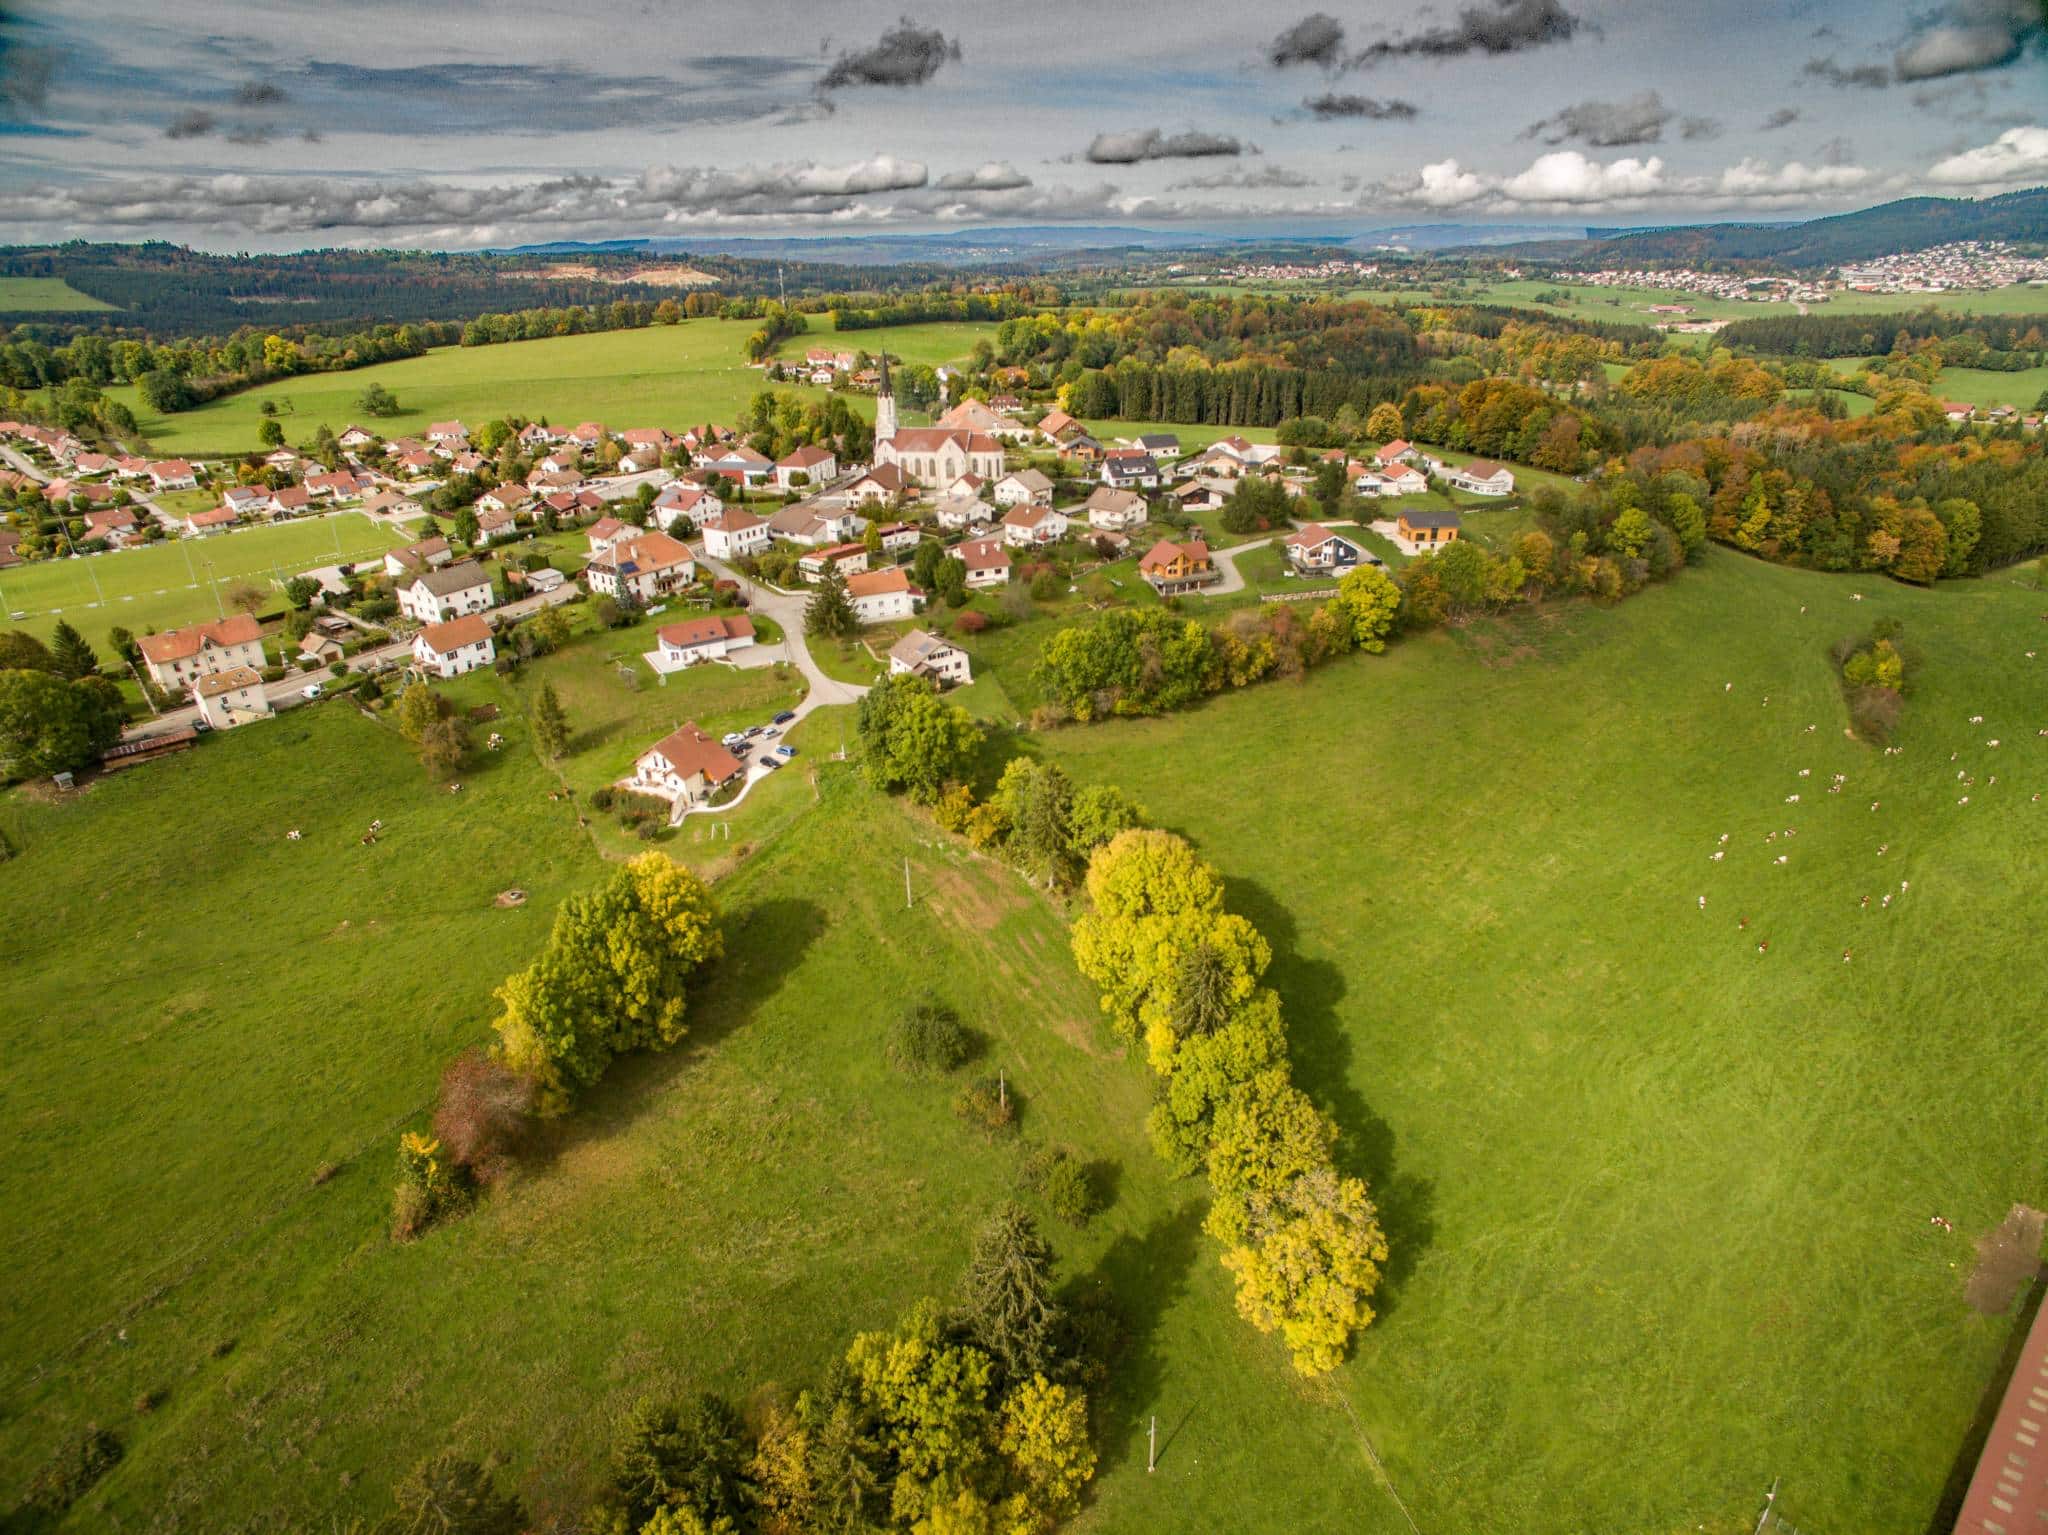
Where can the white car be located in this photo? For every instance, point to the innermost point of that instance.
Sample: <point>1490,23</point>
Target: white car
<point>311,690</point>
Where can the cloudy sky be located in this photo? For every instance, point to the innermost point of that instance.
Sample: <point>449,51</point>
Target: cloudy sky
<point>486,122</point>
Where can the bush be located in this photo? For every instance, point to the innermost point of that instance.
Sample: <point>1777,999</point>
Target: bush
<point>1874,712</point>
<point>601,798</point>
<point>1061,1179</point>
<point>928,1040</point>
<point>338,668</point>
<point>70,1474</point>
<point>988,1105</point>
<point>273,674</point>
<point>485,1114</point>
<point>971,621</point>
<point>412,1211</point>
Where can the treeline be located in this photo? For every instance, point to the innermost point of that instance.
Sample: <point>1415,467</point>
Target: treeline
<point>2000,342</point>
<point>930,307</point>
<point>1251,394</point>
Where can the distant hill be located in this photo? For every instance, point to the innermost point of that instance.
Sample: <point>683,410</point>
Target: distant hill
<point>1912,223</point>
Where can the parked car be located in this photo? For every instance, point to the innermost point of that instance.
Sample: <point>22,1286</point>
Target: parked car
<point>311,690</point>
<point>784,717</point>
<point>731,739</point>
<point>785,751</point>
<point>771,761</point>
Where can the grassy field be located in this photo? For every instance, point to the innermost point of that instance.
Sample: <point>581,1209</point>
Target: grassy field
<point>160,586</point>
<point>45,295</point>
<point>1591,301</point>
<point>665,375</point>
<point>1973,386</point>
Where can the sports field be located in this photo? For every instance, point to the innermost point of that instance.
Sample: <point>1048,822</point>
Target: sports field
<point>664,375</point>
<point>45,295</point>
<point>160,586</point>
<point>1660,1200</point>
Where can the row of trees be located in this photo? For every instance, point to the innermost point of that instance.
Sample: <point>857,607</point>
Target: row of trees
<point>1182,976</point>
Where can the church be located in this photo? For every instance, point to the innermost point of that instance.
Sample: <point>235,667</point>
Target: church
<point>932,455</point>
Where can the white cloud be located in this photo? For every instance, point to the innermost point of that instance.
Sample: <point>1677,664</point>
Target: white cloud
<point>1570,177</point>
<point>1755,179</point>
<point>2016,155</point>
<point>1443,184</point>
<point>994,176</point>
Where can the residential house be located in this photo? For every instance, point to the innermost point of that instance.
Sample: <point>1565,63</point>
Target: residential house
<point>734,533</point>
<point>458,646</point>
<point>538,434</point>
<point>1201,495</point>
<point>566,458</point>
<point>898,537</point>
<point>172,474</point>
<point>1031,527</point>
<point>1957,411</point>
<point>815,523</point>
<point>1113,511</point>
<point>427,554</point>
<point>934,455</point>
<point>987,562</point>
<point>704,639</point>
<point>880,485</point>
<point>290,501</point>
<point>881,595</point>
<point>607,531</point>
<point>1163,446</point>
<point>978,416</point>
<point>963,485</point>
<point>739,464</point>
<point>844,558</point>
<point>686,767</point>
<point>1024,487</point>
<point>1484,478</point>
<point>1081,448</point>
<point>233,697</point>
<point>1399,451</point>
<point>178,658</point>
<point>354,436</point>
<point>337,485</point>
<point>641,569</point>
<point>245,500</point>
<point>496,524</point>
<point>214,520</point>
<point>588,433</point>
<point>1125,468</point>
<point>953,512</point>
<point>815,465</point>
<point>115,525</point>
<point>319,647</point>
<point>1316,551</point>
<point>437,594</point>
<point>1172,568</point>
<point>506,498</point>
<point>1058,426</point>
<point>923,654</point>
<point>1403,480</point>
<point>448,432</point>
<point>1429,526</point>
<point>680,499</point>
<point>282,458</point>
<point>414,465</point>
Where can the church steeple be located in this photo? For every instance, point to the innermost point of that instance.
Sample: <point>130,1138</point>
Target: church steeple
<point>885,406</point>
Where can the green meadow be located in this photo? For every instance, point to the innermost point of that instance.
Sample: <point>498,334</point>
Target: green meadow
<point>46,295</point>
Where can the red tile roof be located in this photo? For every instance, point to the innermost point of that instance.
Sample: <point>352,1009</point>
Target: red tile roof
<point>444,639</point>
<point>177,644</point>
<point>705,631</point>
<point>690,752</point>
<point>2009,1492</point>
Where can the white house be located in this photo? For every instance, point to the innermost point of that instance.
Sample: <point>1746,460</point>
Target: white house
<point>427,554</point>
<point>881,484</point>
<point>1116,511</point>
<point>704,639</point>
<point>434,596</point>
<point>1163,446</point>
<point>458,646</point>
<point>641,568</point>
<point>680,499</point>
<point>354,436</point>
<point>923,654</point>
<point>1399,451</point>
<point>813,523</point>
<point>177,658</point>
<point>881,595</point>
<point>1030,527</point>
<point>1403,480</point>
<point>816,465</point>
<point>686,767</point>
<point>1315,550</point>
<point>740,464</point>
<point>847,559</point>
<point>1128,467</point>
<point>733,534</point>
<point>451,432</point>
<point>987,562</point>
<point>1484,478</point>
<point>954,512</point>
<point>172,474</point>
<point>1024,487</point>
<point>230,698</point>
<point>900,536</point>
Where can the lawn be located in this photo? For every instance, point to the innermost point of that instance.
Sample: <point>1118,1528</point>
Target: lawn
<point>664,375</point>
<point>163,585</point>
<point>45,295</point>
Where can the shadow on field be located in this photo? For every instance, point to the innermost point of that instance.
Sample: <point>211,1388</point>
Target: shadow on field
<point>764,943</point>
<point>1148,1274</point>
<point>1321,1051</point>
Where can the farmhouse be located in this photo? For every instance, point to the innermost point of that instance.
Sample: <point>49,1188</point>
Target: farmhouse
<point>733,534</point>
<point>233,697</point>
<point>1315,550</point>
<point>704,639</point>
<point>923,654</point>
<point>458,646</point>
<point>640,569</point>
<point>881,595</point>
<point>436,595</point>
<point>178,657</point>
<point>686,767</point>
<point>427,554</point>
<point>816,466</point>
<point>1484,478</point>
<point>1172,568</point>
<point>987,562</point>
<point>1031,527</point>
<point>1024,487</point>
<point>1429,526</point>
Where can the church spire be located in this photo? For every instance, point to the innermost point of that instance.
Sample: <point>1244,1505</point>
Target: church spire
<point>885,406</point>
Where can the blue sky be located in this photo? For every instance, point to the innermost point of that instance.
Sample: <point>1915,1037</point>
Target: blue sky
<point>475,122</point>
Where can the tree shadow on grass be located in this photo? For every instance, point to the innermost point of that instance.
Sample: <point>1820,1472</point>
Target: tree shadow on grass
<point>1147,1274</point>
<point>1321,1051</point>
<point>764,943</point>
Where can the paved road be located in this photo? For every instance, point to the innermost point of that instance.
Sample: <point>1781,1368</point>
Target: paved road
<point>285,692</point>
<point>1226,561</point>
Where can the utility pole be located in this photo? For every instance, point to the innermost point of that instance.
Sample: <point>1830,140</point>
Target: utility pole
<point>1003,1096</point>
<point>906,884</point>
<point>1152,1445</point>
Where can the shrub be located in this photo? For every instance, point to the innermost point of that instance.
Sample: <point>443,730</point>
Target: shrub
<point>1061,1179</point>
<point>1874,712</point>
<point>426,1189</point>
<point>988,1105</point>
<point>647,831</point>
<point>338,668</point>
<point>412,1211</point>
<point>70,1474</point>
<point>484,1116</point>
<point>928,1040</point>
<point>971,621</point>
<point>601,798</point>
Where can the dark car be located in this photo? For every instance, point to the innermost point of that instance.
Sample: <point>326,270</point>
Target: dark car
<point>784,717</point>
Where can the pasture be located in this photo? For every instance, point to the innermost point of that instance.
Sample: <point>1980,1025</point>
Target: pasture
<point>46,295</point>
<point>181,581</point>
<point>1981,387</point>
<point>663,375</point>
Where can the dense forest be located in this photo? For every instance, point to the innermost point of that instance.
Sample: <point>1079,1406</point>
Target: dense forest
<point>2001,342</point>
<point>1912,223</point>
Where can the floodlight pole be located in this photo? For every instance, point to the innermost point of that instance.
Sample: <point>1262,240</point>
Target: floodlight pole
<point>1152,1445</point>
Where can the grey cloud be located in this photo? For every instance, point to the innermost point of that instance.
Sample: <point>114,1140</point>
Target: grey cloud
<point>1700,128</point>
<point>259,93</point>
<point>1783,117</point>
<point>1506,26</point>
<point>906,55</point>
<point>1863,76</point>
<point>1967,36</point>
<point>25,76</point>
<point>996,176</point>
<point>1331,105</point>
<point>1838,151</point>
<point>250,133</point>
<point>1606,124</point>
<point>192,123</point>
<point>1265,176</point>
<point>1152,144</point>
<point>1315,39</point>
